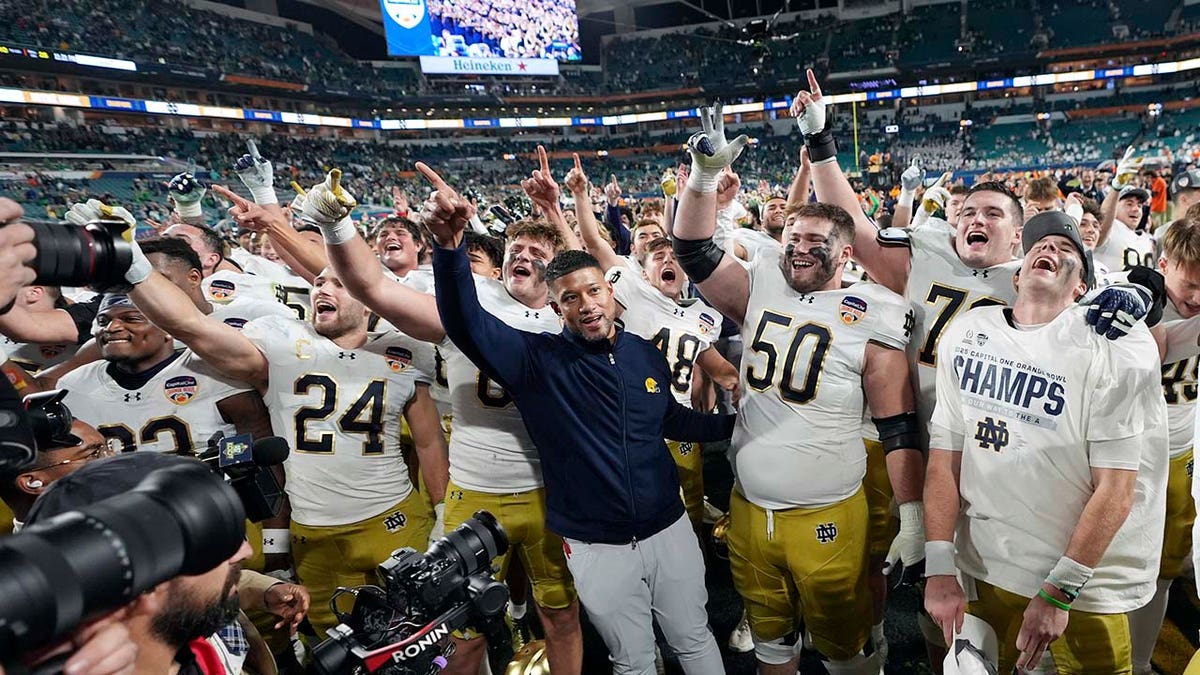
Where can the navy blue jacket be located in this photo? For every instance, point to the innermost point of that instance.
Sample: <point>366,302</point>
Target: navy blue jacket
<point>597,413</point>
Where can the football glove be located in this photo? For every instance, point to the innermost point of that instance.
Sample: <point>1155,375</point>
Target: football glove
<point>1126,169</point>
<point>328,205</point>
<point>912,177</point>
<point>257,175</point>
<point>710,151</point>
<point>905,561</point>
<point>94,209</point>
<point>439,524</point>
<point>187,191</point>
<point>1114,310</point>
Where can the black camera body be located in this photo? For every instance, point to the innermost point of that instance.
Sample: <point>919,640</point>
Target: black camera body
<point>404,627</point>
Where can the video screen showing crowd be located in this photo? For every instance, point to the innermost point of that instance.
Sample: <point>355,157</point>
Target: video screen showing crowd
<point>992,400</point>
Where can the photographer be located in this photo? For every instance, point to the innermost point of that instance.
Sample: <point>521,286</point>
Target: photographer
<point>177,622</point>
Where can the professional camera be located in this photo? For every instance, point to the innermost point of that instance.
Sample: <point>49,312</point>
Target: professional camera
<point>96,254</point>
<point>180,520</point>
<point>403,628</point>
<point>41,418</point>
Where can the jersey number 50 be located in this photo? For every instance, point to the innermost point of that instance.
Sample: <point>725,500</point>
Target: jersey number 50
<point>819,336</point>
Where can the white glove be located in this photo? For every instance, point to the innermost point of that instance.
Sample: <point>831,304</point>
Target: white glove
<point>439,523</point>
<point>94,209</point>
<point>908,548</point>
<point>187,191</point>
<point>1074,209</point>
<point>912,177</point>
<point>1126,169</point>
<point>328,205</point>
<point>257,175</point>
<point>710,152</point>
<point>810,118</point>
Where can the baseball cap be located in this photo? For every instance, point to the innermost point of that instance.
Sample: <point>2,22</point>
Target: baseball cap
<point>99,480</point>
<point>1134,191</point>
<point>1047,223</point>
<point>1188,180</point>
<point>975,650</point>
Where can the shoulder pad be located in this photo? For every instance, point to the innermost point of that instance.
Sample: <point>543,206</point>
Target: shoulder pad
<point>894,236</point>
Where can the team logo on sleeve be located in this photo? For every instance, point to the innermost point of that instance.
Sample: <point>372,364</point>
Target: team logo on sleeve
<point>236,322</point>
<point>398,358</point>
<point>652,386</point>
<point>181,389</point>
<point>222,290</point>
<point>707,323</point>
<point>852,309</point>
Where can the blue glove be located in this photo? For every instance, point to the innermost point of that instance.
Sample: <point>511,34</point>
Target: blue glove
<point>1114,310</point>
<point>187,191</point>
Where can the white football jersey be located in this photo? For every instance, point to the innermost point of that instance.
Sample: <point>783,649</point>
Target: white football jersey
<point>490,449</point>
<point>941,287</point>
<point>340,410</point>
<point>1034,411</point>
<point>244,309</point>
<point>681,331</point>
<point>174,411</point>
<point>420,279</point>
<point>36,357</point>
<point>797,442</point>
<point>1126,248</point>
<point>223,286</point>
<point>1179,389</point>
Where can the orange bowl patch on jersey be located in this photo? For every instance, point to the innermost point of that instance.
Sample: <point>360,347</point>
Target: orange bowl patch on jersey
<point>398,358</point>
<point>180,389</point>
<point>852,309</point>
<point>222,290</point>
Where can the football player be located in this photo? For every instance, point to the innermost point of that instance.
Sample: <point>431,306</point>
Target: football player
<point>338,397</point>
<point>1047,469</point>
<point>798,549</point>
<point>493,463</point>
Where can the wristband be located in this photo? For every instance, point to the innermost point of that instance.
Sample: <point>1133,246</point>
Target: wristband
<point>821,146</point>
<point>276,541</point>
<point>939,559</point>
<point>704,184</point>
<point>1053,600</point>
<point>912,517</point>
<point>1069,575</point>
<point>906,197</point>
<point>340,232</point>
<point>264,195</point>
<point>188,209</point>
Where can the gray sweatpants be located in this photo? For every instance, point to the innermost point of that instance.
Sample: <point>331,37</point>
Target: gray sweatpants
<point>622,585</point>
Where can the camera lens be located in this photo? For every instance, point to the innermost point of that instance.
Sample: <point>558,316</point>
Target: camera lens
<point>182,520</point>
<point>95,254</point>
<point>473,544</point>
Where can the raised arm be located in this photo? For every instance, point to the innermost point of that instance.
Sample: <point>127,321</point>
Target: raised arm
<point>328,205</point>
<point>589,229</point>
<point>801,185</point>
<point>1123,175</point>
<point>219,344</point>
<point>723,281</point>
<point>887,266</point>
<point>504,353</point>
<point>302,256</point>
<point>612,217</point>
<point>543,190</point>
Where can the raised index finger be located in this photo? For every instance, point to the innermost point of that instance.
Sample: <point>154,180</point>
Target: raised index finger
<point>813,86</point>
<point>578,165</point>
<point>252,147</point>
<point>543,160</point>
<point>238,200</point>
<point>431,176</point>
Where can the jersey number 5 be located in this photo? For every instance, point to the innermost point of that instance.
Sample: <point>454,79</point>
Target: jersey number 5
<point>820,337</point>
<point>364,416</point>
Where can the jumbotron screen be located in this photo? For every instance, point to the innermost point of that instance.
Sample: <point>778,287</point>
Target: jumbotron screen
<point>483,29</point>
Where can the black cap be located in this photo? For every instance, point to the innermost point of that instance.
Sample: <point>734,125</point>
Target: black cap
<point>99,480</point>
<point>1056,222</point>
<point>1134,191</point>
<point>1188,180</point>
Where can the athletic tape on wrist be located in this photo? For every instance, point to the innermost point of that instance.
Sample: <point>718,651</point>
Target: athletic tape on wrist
<point>906,196</point>
<point>939,559</point>
<point>912,517</point>
<point>704,180</point>
<point>188,209</point>
<point>1069,575</point>
<point>276,541</point>
<point>340,232</point>
<point>263,195</point>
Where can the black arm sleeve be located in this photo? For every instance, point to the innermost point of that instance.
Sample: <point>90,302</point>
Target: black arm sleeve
<point>83,314</point>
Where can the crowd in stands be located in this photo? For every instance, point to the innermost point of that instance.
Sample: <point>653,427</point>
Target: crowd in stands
<point>509,28</point>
